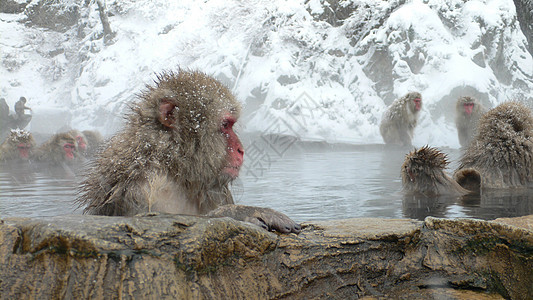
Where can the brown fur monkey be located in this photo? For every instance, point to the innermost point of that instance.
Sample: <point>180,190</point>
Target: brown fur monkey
<point>177,153</point>
<point>19,145</point>
<point>94,141</point>
<point>423,173</point>
<point>501,153</point>
<point>400,119</point>
<point>81,142</point>
<point>467,113</point>
<point>61,147</point>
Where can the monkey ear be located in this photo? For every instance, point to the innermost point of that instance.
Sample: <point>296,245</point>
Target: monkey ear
<point>166,117</point>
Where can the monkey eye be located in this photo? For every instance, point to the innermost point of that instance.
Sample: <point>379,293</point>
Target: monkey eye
<point>68,145</point>
<point>227,124</point>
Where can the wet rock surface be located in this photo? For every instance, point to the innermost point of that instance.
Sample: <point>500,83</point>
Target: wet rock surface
<point>169,256</point>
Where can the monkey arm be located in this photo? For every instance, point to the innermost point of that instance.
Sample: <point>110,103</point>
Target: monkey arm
<point>267,218</point>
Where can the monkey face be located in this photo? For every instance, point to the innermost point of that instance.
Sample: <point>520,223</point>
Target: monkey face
<point>418,103</point>
<point>24,149</point>
<point>468,107</point>
<point>81,143</point>
<point>69,148</point>
<point>235,150</point>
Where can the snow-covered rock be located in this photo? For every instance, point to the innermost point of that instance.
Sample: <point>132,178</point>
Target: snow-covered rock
<point>316,70</point>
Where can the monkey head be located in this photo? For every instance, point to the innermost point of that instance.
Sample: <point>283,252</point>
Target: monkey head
<point>466,105</point>
<point>422,162</point>
<point>68,145</point>
<point>415,101</point>
<point>82,145</point>
<point>194,114</point>
<point>23,141</point>
<point>81,141</point>
<point>510,124</point>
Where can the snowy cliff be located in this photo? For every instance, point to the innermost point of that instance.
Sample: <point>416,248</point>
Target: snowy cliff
<point>316,69</point>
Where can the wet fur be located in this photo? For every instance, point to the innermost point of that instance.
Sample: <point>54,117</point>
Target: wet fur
<point>52,150</point>
<point>501,153</point>
<point>423,173</point>
<point>150,167</point>
<point>9,148</point>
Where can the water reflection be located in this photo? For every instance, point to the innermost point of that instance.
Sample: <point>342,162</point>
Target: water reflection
<point>308,182</point>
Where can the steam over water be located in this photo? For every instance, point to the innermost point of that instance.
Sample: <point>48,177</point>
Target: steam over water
<point>307,182</point>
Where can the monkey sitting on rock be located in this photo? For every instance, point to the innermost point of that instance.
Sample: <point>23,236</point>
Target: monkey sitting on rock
<point>177,153</point>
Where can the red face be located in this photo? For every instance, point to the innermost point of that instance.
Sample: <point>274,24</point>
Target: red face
<point>69,151</point>
<point>469,107</point>
<point>81,143</point>
<point>418,103</point>
<point>235,155</point>
<point>24,150</point>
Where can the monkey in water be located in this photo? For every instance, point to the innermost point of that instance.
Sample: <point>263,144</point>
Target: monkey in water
<point>59,148</point>
<point>501,152</point>
<point>19,145</point>
<point>467,113</point>
<point>94,141</point>
<point>400,119</point>
<point>423,174</point>
<point>177,153</point>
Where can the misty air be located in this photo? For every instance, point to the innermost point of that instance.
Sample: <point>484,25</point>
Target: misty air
<point>201,136</point>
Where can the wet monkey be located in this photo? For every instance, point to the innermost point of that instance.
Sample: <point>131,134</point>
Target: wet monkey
<point>177,153</point>
<point>501,152</point>
<point>19,145</point>
<point>61,147</point>
<point>423,173</point>
<point>467,113</point>
<point>400,119</point>
<point>94,141</point>
<point>81,141</point>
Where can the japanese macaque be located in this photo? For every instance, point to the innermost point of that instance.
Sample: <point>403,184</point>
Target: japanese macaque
<point>467,113</point>
<point>501,153</point>
<point>19,145</point>
<point>399,121</point>
<point>94,141</point>
<point>177,153</point>
<point>423,174</point>
<point>61,147</point>
<point>81,141</point>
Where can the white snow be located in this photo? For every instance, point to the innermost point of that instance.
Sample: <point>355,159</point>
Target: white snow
<point>294,73</point>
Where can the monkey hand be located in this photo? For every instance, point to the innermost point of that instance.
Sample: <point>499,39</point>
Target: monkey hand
<point>266,218</point>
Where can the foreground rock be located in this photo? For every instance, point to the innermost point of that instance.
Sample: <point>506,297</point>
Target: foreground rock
<point>181,257</point>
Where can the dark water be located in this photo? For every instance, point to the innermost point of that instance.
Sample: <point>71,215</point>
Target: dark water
<point>305,181</point>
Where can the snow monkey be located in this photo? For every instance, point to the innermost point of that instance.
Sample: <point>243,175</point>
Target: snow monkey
<point>61,147</point>
<point>177,153</point>
<point>82,144</point>
<point>399,121</point>
<point>467,113</point>
<point>423,174</point>
<point>94,141</point>
<point>19,145</point>
<point>501,152</point>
